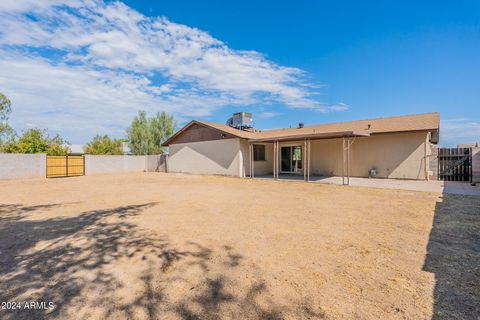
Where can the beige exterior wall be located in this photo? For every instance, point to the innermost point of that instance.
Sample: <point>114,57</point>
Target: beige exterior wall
<point>245,167</point>
<point>260,167</point>
<point>223,157</point>
<point>397,156</point>
<point>265,167</point>
<point>326,157</point>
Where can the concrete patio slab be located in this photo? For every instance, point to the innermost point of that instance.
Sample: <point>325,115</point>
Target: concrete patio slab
<point>452,187</point>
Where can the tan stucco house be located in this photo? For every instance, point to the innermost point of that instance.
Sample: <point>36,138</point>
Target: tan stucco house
<point>395,147</point>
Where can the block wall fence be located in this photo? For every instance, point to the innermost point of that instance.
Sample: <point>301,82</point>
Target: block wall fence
<point>18,166</point>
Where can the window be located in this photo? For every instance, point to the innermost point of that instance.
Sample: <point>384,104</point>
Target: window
<point>258,152</point>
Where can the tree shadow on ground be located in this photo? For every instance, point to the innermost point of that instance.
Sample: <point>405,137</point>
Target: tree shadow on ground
<point>72,261</point>
<point>453,255</point>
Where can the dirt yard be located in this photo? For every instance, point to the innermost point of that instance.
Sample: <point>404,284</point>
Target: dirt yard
<point>166,246</point>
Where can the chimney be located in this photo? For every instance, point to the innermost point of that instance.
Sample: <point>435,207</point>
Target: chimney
<point>300,125</point>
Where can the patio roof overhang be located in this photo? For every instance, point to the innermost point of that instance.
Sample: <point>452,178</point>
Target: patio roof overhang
<point>313,136</point>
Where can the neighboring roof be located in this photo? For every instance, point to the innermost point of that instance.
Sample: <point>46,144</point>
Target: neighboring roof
<point>417,122</point>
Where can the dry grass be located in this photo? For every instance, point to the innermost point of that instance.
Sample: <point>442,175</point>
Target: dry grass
<point>158,246</point>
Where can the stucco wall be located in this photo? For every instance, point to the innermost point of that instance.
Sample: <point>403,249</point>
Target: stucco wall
<point>326,157</point>
<point>110,164</point>
<point>265,167</point>
<point>223,157</point>
<point>156,163</point>
<point>433,163</point>
<point>14,166</point>
<point>244,157</point>
<point>398,156</point>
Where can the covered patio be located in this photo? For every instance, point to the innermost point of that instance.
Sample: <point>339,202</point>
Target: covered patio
<point>292,157</point>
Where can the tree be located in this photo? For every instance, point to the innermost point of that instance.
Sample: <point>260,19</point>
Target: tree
<point>162,126</point>
<point>104,145</point>
<point>145,135</point>
<point>5,107</point>
<point>37,141</point>
<point>138,136</point>
<point>7,134</point>
<point>32,141</point>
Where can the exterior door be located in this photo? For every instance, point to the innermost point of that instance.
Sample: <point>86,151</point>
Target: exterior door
<point>286,159</point>
<point>291,159</point>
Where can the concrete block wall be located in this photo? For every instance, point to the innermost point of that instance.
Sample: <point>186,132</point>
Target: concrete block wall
<point>16,166</point>
<point>476,165</point>
<point>156,163</point>
<point>433,163</point>
<point>95,164</point>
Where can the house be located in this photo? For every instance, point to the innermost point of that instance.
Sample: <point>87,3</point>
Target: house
<point>394,147</point>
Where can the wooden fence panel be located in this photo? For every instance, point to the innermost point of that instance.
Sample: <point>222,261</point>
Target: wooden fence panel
<point>56,166</point>
<point>75,166</point>
<point>65,166</point>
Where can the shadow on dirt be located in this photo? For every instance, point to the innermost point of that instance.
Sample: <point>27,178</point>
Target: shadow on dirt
<point>453,255</point>
<point>72,261</point>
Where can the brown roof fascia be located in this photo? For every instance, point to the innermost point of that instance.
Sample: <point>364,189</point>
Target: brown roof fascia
<point>324,135</point>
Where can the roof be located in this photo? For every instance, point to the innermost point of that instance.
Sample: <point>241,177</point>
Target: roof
<point>408,123</point>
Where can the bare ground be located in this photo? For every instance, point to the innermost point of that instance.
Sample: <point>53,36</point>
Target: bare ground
<point>166,246</point>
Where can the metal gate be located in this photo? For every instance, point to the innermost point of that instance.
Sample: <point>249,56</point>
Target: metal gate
<point>455,164</point>
<point>65,166</point>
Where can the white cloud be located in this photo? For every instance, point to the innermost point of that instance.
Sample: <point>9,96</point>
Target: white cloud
<point>65,63</point>
<point>267,114</point>
<point>337,107</point>
<point>457,131</point>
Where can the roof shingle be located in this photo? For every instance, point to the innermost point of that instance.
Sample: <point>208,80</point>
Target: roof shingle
<point>417,122</point>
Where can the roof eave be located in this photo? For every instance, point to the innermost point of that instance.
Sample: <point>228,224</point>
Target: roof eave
<point>325,135</point>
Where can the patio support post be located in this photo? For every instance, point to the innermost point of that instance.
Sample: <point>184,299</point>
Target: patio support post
<point>274,160</point>
<point>343,161</point>
<point>308,160</point>
<point>250,160</point>
<point>253,164</point>
<point>305,159</point>
<point>346,161</point>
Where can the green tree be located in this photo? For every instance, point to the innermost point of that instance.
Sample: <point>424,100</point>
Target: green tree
<point>162,126</point>
<point>5,107</point>
<point>7,134</point>
<point>145,135</point>
<point>104,145</point>
<point>38,141</point>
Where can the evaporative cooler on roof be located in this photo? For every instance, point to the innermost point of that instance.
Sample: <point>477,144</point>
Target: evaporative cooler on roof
<point>241,120</point>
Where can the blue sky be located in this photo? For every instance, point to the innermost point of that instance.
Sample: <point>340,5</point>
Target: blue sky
<point>83,67</point>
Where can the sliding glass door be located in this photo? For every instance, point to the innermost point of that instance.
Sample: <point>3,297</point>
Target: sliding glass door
<point>291,159</point>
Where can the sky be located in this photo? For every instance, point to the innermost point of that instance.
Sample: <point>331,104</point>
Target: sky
<point>86,67</point>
